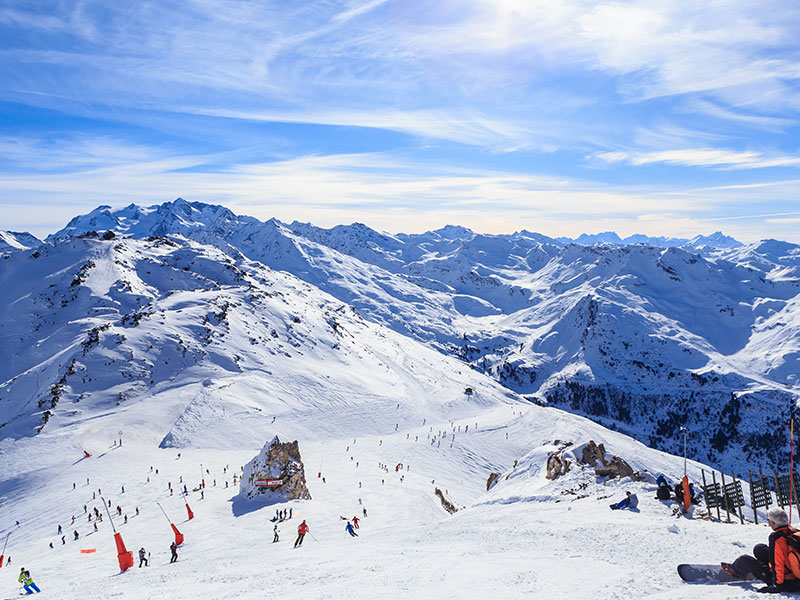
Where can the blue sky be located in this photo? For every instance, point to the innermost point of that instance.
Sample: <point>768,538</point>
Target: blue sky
<point>666,118</point>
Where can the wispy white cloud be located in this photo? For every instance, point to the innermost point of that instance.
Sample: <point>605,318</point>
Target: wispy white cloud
<point>702,157</point>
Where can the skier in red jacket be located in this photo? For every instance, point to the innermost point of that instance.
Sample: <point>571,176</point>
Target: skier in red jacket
<point>355,522</point>
<point>302,530</point>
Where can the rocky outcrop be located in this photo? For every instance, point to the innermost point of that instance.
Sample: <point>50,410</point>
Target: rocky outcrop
<point>593,454</point>
<point>493,476</point>
<point>276,473</point>
<point>557,463</point>
<point>448,506</point>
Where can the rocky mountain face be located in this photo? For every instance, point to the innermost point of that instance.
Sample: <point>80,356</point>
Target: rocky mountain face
<point>643,337</point>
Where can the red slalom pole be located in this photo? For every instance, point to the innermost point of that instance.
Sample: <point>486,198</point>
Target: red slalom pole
<point>3,555</point>
<point>791,469</point>
<point>124,556</point>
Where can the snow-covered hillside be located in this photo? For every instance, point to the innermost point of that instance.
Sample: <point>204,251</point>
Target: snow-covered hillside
<point>196,336</point>
<point>641,337</point>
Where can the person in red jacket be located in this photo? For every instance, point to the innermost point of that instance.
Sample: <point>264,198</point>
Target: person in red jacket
<point>302,530</point>
<point>777,565</point>
<point>355,522</point>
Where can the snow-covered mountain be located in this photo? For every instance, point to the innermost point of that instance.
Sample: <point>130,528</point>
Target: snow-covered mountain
<point>638,337</point>
<point>17,240</point>
<point>409,368</point>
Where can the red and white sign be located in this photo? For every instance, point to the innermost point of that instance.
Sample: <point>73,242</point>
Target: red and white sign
<point>269,482</point>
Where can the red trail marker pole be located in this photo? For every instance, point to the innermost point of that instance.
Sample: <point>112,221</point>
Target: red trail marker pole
<point>791,468</point>
<point>188,509</point>
<point>3,555</point>
<point>178,534</point>
<point>124,556</point>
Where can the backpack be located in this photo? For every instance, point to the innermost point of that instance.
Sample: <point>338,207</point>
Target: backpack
<point>793,552</point>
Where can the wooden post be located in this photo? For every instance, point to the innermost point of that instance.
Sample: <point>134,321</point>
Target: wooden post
<point>778,489</point>
<point>764,486</point>
<point>725,497</point>
<point>752,496</point>
<point>733,481</point>
<point>714,479</point>
<point>793,481</point>
<point>705,491</point>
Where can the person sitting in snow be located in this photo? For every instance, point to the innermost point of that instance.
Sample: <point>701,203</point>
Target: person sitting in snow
<point>776,564</point>
<point>630,501</point>
<point>663,492</point>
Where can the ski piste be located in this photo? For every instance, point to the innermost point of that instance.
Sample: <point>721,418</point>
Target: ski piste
<point>708,574</point>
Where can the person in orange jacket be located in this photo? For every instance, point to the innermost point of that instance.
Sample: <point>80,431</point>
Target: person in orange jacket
<point>776,564</point>
<point>302,530</point>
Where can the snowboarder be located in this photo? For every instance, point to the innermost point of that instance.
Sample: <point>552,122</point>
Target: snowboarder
<point>142,557</point>
<point>302,530</point>
<point>174,549</point>
<point>349,529</point>
<point>27,581</point>
<point>275,534</point>
<point>776,564</point>
<point>630,501</point>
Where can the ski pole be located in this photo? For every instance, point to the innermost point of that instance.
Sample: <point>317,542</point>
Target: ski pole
<point>313,538</point>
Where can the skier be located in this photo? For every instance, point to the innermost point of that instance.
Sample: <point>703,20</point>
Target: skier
<point>349,529</point>
<point>59,530</point>
<point>275,534</point>
<point>51,545</point>
<point>365,512</point>
<point>290,513</point>
<point>142,557</point>
<point>27,581</point>
<point>95,525</point>
<point>630,501</point>
<point>75,533</point>
<point>302,530</point>
<point>174,549</point>
<point>355,522</point>
<point>63,540</point>
<point>777,565</point>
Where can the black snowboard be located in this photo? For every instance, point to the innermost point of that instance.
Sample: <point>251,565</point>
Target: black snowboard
<point>707,574</point>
